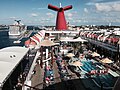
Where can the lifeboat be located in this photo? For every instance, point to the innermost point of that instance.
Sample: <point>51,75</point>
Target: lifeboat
<point>30,43</point>
<point>42,33</point>
<point>35,39</point>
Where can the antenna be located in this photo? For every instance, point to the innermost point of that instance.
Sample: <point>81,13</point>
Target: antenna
<point>60,5</point>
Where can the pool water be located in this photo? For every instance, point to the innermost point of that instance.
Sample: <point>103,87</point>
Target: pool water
<point>88,66</point>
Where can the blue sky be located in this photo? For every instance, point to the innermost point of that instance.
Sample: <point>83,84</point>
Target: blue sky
<point>84,12</point>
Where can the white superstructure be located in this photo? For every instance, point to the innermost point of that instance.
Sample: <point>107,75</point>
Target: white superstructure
<point>16,29</point>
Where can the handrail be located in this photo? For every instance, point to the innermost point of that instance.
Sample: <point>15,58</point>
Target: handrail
<point>47,59</point>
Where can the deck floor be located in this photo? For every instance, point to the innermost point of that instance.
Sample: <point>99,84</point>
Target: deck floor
<point>73,84</point>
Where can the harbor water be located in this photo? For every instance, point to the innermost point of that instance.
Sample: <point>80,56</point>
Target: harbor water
<point>5,41</point>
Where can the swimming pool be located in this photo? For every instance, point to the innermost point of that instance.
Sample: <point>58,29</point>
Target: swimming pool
<point>106,80</point>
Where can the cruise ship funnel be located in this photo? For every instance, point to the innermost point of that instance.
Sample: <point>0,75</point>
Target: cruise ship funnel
<point>60,21</point>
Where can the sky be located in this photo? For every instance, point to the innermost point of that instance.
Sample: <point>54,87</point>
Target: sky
<point>84,12</point>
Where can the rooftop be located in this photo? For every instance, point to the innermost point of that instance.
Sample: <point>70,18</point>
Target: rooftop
<point>9,59</point>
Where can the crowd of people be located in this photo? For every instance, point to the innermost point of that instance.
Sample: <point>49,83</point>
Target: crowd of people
<point>61,63</point>
<point>49,75</point>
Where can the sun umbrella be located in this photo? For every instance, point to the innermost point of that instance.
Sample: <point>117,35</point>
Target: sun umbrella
<point>106,60</point>
<point>70,55</point>
<point>77,63</point>
<point>94,54</point>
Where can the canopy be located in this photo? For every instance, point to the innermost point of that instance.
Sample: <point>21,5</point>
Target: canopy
<point>79,39</point>
<point>66,39</point>
<point>47,43</point>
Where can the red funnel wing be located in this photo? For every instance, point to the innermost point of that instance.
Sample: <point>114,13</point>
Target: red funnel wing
<point>53,7</point>
<point>67,7</point>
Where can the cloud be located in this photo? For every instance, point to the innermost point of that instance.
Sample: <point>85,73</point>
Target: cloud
<point>12,17</point>
<point>34,15</point>
<point>116,6</point>
<point>90,3</point>
<point>107,7</point>
<point>93,2</point>
<point>107,11</point>
<point>78,21</point>
<point>105,1</point>
<point>44,19</point>
<point>40,8</point>
<point>69,14</point>
<point>103,7</point>
<point>50,15</point>
<point>70,18</point>
<point>85,10</point>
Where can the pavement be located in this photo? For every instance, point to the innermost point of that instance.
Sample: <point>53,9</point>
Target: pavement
<point>37,78</point>
<point>56,74</point>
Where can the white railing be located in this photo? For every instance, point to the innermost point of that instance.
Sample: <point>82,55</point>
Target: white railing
<point>30,71</point>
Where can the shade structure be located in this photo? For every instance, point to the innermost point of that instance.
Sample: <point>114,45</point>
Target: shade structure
<point>79,39</point>
<point>66,39</point>
<point>70,55</point>
<point>77,63</point>
<point>94,54</point>
<point>47,43</point>
<point>106,60</point>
